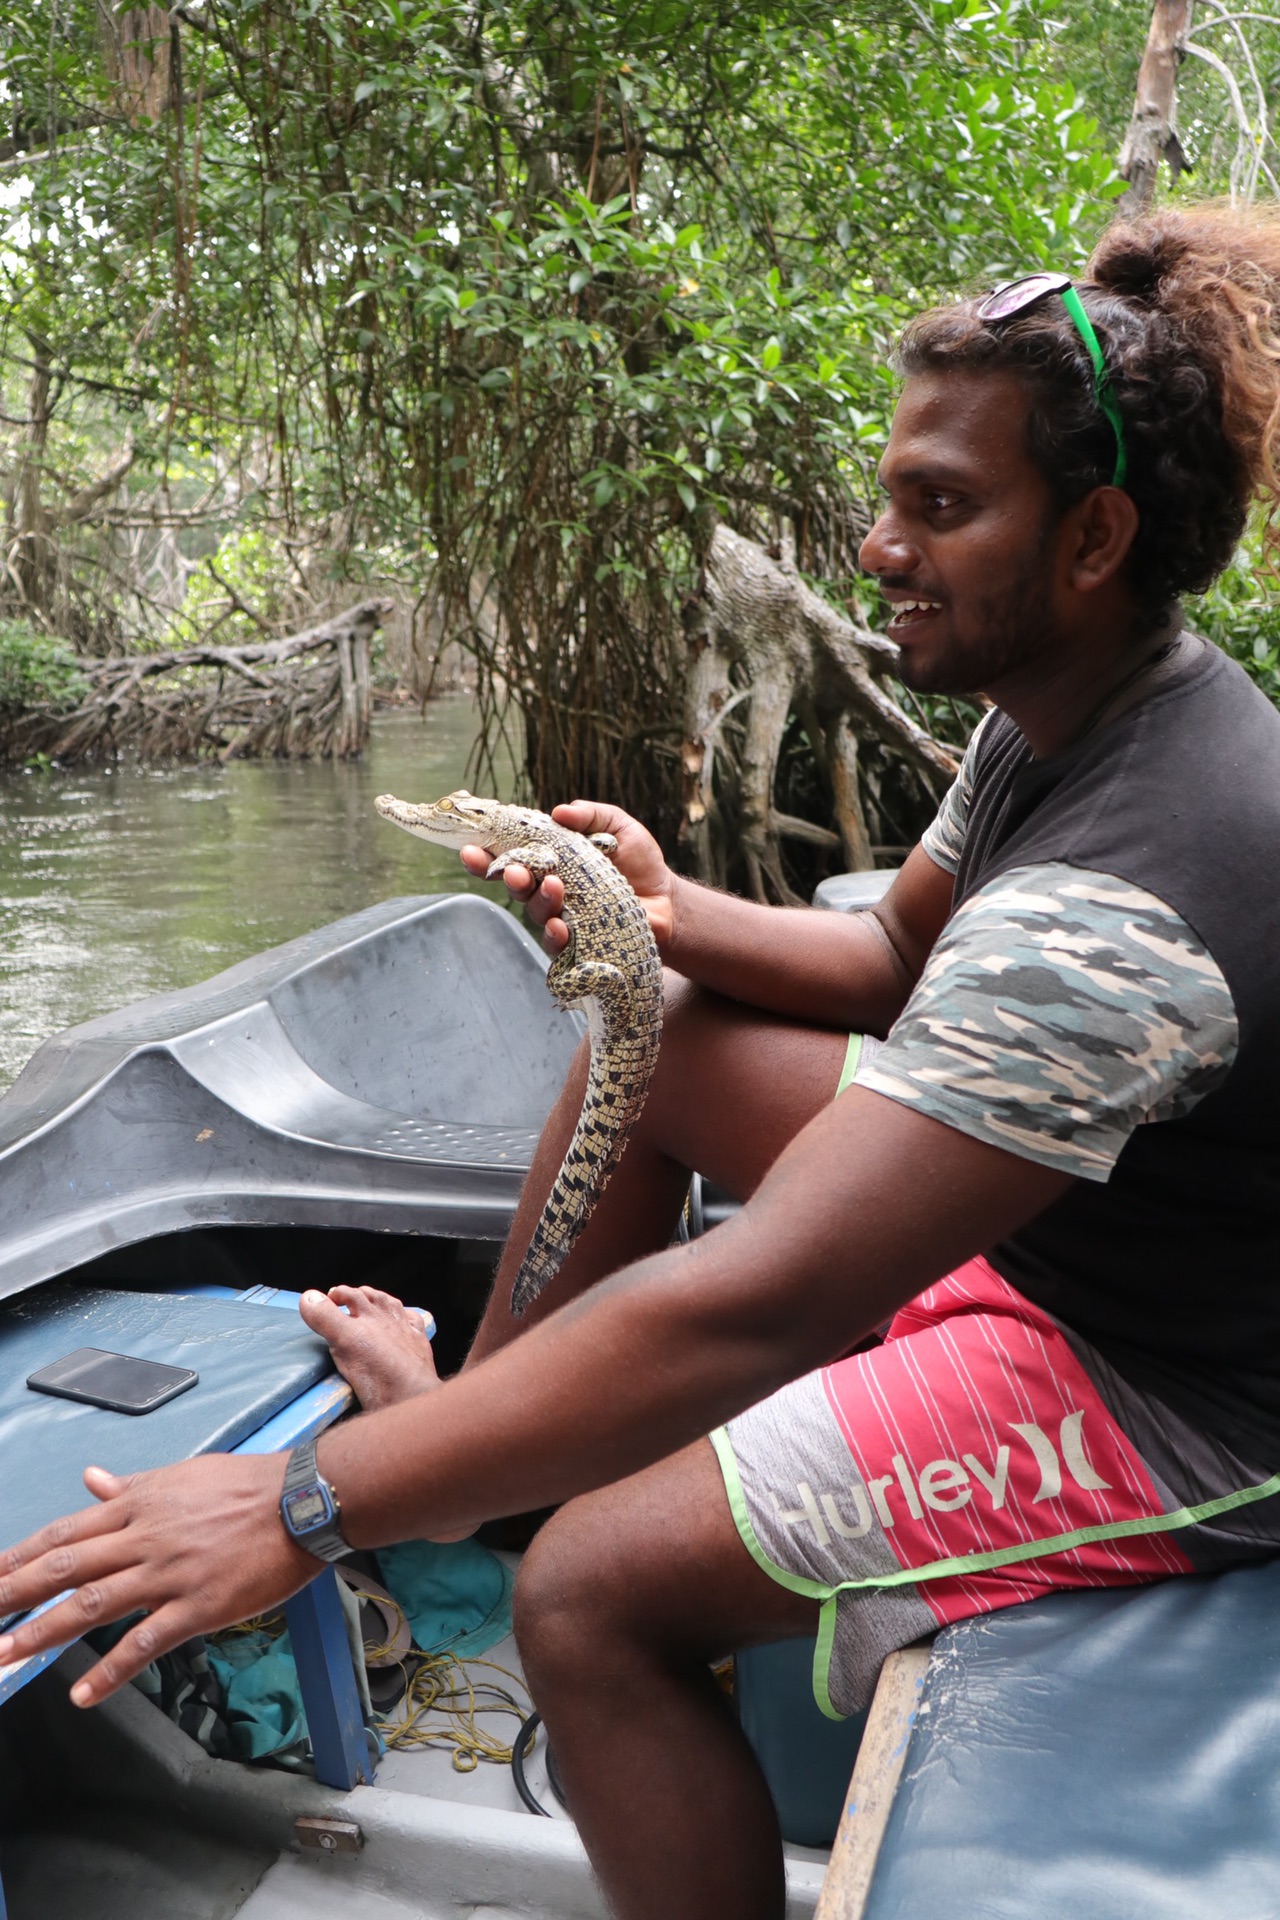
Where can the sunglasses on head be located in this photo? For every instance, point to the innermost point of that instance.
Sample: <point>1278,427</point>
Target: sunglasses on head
<point>1018,295</point>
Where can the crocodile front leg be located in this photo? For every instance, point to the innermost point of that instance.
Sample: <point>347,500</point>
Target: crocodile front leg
<point>541,860</point>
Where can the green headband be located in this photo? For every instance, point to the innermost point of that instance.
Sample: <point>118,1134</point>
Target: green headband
<point>1101,378</point>
<point>1018,295</point>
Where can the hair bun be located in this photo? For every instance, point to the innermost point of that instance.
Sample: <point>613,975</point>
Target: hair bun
<point>1135,258</point>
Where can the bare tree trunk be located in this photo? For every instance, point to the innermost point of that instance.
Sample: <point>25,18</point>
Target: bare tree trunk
<point>348,731</point>
<point>30,556</point>
<point>362,660</point>
<point>1152,134</point>
<point>757,620</point>
<point>852,821</point>
<point>137,48</point>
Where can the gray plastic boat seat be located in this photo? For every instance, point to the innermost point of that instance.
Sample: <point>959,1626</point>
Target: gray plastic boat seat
<point>1097,1756</point>
<point>389,1072</point>
<point>853,892</point>
<point>251,1362</point>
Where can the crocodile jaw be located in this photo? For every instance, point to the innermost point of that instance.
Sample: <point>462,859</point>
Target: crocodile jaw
<point>459,820</point>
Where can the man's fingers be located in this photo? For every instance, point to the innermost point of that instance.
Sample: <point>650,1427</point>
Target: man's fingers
<point>590,816</point>
<point>103,1484</point>
<point>88,1524</point>
<point>518,879</point>
<point>92,1568</point>
<point>476,861</point>
<point>144,1642</point>
<point>94,1603</point>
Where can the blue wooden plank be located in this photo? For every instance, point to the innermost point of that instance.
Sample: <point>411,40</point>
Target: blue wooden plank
<point>317,1625</point>
<point>322,1653</point>
<point>14,1678</point>
<point>303,1418</point>
<point>247,1296</point>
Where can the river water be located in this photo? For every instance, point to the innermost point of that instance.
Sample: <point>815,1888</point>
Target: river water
<point>121,882</point>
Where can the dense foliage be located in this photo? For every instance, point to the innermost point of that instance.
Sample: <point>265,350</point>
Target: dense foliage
<point>37,668</point>
<point>499,304</point>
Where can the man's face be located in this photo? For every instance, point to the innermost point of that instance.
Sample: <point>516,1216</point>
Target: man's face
<point>969,530</point>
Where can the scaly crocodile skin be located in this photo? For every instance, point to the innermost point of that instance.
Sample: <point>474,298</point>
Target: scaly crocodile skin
<point>610,968</point>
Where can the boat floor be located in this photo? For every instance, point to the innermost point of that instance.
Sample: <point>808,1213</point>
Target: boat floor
<point>142,1825</point>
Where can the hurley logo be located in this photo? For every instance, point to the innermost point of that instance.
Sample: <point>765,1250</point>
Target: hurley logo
<point>945,1485</point>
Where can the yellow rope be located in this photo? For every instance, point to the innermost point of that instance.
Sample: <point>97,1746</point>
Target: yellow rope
<point>271,1624</point>
<point>372,1655</point>
<point>439,1684</point>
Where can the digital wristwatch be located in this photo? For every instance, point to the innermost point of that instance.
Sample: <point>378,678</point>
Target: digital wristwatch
<point>309,1506</point>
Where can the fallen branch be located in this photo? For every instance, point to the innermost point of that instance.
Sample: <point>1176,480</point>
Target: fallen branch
<point>178,704</point>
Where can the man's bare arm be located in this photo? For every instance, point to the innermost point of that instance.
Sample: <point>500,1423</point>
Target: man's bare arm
<point>870,1204</point>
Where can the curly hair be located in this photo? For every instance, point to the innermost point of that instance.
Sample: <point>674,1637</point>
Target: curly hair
<point>1186,306</point>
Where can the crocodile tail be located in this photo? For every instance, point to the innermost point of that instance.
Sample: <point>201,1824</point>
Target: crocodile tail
<point>594,1151</point>
<point>538,1269</point>
<point>569,1205</point>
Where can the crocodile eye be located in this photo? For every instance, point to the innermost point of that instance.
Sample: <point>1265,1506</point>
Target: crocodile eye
<point>446,806</point>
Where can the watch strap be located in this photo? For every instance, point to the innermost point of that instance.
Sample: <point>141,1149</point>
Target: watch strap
<point>325,1542</point>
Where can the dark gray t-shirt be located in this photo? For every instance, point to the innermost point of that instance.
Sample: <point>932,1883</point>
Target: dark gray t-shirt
<point>1106,999</point>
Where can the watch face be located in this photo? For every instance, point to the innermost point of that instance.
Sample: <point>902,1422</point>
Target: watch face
<point>307,1509</point>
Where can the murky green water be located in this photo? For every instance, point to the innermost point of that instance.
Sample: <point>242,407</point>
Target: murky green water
<point>124,882</point>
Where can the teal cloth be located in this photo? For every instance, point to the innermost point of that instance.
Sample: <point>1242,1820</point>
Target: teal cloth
<point>263,1704</point>
<point>456,1596</point>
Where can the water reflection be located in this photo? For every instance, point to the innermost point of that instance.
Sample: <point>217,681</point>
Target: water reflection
<point>129,881</point>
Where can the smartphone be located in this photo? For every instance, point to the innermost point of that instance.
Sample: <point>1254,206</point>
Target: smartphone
<point>113,1380</point>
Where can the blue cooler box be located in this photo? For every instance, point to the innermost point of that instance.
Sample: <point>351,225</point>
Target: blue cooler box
<point>807,1759</point>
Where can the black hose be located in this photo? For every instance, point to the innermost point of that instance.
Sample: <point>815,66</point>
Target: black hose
<point>553,1775</point>
<point>528,1732</point>
<point>519,1748</point>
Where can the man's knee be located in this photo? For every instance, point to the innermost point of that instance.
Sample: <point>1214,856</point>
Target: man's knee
<point>695,1024</point>
<point>568,1594</point>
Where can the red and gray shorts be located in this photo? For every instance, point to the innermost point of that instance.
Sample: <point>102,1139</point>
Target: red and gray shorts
<point>978,1428</point>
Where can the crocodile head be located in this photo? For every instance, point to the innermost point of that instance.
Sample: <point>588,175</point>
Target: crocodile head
<point>459,820</point>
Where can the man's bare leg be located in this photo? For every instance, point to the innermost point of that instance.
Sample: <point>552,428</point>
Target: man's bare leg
<point>623,1600</point>
<point>732,1088</point>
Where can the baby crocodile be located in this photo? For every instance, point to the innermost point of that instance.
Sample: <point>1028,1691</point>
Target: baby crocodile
<point>610,968</point>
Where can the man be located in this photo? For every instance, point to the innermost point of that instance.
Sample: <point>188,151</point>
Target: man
<point>1069,1114</point>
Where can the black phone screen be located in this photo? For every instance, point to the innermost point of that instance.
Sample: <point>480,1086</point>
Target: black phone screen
<point>116,1381</point>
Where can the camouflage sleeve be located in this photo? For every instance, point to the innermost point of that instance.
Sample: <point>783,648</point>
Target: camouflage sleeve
<point>943,838</point>
<point>1059,1010</point>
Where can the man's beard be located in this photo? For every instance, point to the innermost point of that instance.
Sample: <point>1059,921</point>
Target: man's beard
<point>1009,629</point>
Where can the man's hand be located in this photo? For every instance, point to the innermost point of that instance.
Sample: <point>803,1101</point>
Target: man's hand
<point>639,859</point>
<point>199,1545</point>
